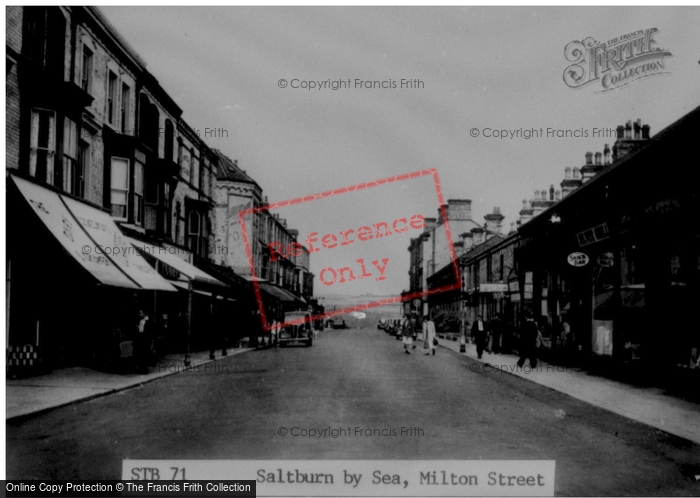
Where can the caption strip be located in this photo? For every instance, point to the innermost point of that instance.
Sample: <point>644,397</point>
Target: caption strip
<point>370,477</point>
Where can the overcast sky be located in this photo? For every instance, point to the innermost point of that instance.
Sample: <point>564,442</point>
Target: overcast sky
<point>497,68</point>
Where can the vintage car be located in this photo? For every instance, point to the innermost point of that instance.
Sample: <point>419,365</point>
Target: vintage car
<point>301,332</point>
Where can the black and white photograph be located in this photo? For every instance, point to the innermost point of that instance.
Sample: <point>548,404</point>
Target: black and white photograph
<point>351,250</point>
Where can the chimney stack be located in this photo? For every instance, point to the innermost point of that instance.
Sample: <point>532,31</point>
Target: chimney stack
<point>429,225</point>
<point>494,221</point>
<point>479,235</point>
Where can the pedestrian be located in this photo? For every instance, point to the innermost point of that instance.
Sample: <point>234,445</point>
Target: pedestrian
<point>429,335</point>
<point>528,341</point>
<point>407,334</point>
<point>480,335</point>
<point>143,342</point>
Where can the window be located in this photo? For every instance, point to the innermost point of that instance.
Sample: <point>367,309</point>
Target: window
<point>76,157</point>
<point>83,167</point>
<point>193,231</point>
<point>125,103</point>
<point>198,229</point>
<point>86,70</point>
<point>169,140</point>
<point>44,41</point>
<point>111,98</point>
<point>194,171</point>
<point>42,145</point>
<point>501,267</point>
<point>138,193</point>
<point>120,187</point>
<point>70,156</point>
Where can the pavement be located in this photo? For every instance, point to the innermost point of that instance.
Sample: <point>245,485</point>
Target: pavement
<point>32,395</point>
<point>647,405</point>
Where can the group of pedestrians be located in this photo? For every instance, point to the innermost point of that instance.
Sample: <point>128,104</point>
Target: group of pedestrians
<point>410,335</point>
<point>488,337</point>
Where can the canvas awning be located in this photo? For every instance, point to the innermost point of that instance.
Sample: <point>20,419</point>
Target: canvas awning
<point>165,255</point>
<point>92,238</point>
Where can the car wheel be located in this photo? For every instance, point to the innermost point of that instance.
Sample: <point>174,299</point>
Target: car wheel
<point>309,343</point>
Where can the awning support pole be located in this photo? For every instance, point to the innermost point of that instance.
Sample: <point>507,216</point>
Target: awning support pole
<point>189,323</point>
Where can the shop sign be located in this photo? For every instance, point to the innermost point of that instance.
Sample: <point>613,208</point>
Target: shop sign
<point>493,287</point>
<point>577,259</point>
<point>417,303</point>
<point>593,235</point>
<point>514,286</point>
<point>606,259</point>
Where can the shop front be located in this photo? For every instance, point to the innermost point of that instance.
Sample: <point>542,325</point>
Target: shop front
<point>70,296</point>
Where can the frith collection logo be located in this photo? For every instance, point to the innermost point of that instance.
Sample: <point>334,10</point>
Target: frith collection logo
<point>616,62</point>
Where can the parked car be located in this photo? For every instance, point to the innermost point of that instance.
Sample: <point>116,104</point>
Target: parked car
<point>301,332</point>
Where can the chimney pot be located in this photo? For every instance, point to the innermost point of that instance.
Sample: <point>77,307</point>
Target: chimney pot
<point>551,192</point>
<point>557,195</point>
<point>645,131</point>
<point>598,158</point>
<point>589,157</point>
<point>567,173</point>
<point>620,132</point>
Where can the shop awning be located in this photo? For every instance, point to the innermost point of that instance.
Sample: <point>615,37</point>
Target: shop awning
<point>92,238</point>
<point>278,292</point>
<point>186,287</point>
<point>165,255</point>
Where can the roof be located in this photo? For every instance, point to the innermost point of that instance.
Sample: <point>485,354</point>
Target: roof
<point>228,170</point>
<point>689,122</point>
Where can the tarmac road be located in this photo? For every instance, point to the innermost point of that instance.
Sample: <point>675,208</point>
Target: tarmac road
<point>235,409</point>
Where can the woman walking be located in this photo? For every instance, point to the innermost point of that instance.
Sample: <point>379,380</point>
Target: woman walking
<point>429,335</point>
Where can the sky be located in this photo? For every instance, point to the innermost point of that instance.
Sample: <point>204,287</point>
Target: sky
<point>498,68</point>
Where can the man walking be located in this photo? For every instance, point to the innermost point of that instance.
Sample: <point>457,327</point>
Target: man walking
<point>480,336</point>
<point>528,341</point>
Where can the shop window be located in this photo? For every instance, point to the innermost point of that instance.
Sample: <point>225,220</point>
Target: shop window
<point>125,109</point>
<point>42,145</point>
<point>86,69</point>
<point>120,188</point>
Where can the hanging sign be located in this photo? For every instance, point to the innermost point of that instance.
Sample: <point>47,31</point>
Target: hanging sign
<point>577,259</point>
<point>606,259</point>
